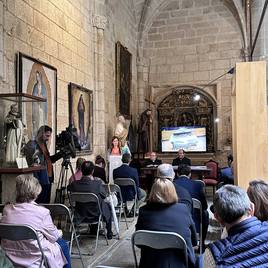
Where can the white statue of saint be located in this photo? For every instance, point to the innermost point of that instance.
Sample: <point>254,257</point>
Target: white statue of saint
<point>14,134</point>
<point>121,131</point>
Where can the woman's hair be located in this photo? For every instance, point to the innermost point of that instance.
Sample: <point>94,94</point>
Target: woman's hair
<point>113,138</point>
<point>27,188</point>
<point>79,162</point>
<point>163,191</point>
<point>258,194</point>
<point>99,160</point>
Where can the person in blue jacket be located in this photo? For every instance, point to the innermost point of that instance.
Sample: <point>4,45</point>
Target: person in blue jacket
<point>246,244</point>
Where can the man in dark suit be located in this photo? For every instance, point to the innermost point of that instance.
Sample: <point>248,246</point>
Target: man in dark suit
<point>125,171</point>
<point>165,171</point>
<point>89,184</point>
<point>181,159</point>
<point>196,190</point>
<point>153,161</point>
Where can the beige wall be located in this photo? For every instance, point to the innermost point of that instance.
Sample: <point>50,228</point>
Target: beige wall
<point>192,43</point>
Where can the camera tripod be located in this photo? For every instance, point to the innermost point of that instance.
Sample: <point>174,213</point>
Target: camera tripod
<point>62,182</point>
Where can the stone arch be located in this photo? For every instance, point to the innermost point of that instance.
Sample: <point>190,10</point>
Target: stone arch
<point>151,8</point>
<point>178,108</point>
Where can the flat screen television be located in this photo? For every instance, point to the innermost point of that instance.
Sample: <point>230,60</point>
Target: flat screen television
<point>190,139</point>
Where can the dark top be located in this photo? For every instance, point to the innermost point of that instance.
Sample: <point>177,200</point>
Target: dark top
<point>99,172</point>
<point>196,190</point>
<point>246,245</point>
<point>29,150</point>
<point>149,162</point>
<point>170,218</point>
<point>124,171</point>
<point>89,211</point>
<point>184,161</point>
<point>184,196</point>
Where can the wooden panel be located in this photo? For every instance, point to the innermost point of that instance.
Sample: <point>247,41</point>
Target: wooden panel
<point>249,124</point>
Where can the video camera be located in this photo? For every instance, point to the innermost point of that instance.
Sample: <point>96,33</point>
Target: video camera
<point>67,142</point>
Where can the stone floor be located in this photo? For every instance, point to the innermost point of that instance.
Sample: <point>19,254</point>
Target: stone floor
<point>119,253</point>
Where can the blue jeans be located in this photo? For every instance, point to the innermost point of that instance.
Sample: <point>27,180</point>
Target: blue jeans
<point>65,250</point>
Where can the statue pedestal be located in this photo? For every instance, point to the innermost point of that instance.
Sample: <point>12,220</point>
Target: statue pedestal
<point>8,178</point>
<point>115,161</point>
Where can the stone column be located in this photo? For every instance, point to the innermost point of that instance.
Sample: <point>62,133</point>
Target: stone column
<point>143,86</point>
<point>99,23</point>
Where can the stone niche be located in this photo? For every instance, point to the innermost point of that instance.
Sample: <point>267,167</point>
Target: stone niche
<point>180,108</point>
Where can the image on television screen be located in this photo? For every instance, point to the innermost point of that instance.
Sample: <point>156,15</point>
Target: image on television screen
<point>190,139</point>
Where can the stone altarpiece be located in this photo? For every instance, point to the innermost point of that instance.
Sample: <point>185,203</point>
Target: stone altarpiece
<point>180,109</point>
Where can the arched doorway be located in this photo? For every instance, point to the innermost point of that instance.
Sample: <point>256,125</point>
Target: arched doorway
<point>180,109</point>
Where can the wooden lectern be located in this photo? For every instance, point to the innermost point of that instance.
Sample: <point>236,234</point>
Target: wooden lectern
<point>249,123</point>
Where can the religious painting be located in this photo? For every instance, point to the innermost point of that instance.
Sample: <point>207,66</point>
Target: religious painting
<point>38,79</point>
<point>81,115</point>
<point>123,80</point>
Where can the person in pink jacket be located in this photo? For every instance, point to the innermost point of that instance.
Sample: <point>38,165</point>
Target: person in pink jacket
<point>26,253</point>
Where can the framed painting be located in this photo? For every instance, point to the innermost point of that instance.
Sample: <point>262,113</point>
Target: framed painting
<point>81,115</point>
<point>123,79</point>
<point>38,79</point>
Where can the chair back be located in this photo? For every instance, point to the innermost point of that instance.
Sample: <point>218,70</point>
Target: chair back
<point>58,210</point>
<point>114,188</point>
<point>200,182</point>
<point>125,182</point>
<point>198,206</point>
<point>84,198</point>
<point>158,240</point>
<point>17,232</point>
<point>214,169</point>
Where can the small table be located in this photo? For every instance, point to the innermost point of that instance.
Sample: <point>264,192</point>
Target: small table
<point>8,178</point>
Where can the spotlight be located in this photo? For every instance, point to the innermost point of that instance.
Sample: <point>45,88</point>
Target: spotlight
<point>196,97</point>
<point>217,120</point>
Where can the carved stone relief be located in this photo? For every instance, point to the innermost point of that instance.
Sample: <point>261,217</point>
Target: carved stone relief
<point>180,109</point>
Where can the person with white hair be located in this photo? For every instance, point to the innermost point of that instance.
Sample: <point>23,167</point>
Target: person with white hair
<point>247,241</point>
<point>166,171</point>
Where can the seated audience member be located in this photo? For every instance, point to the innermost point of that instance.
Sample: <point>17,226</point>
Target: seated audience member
<point>125,171</point>
<point>181,159</point>
<point>115,147</point>
<point>227,173</point>
<point>247,241</point>
<point>99,169</point>
<point>258,195</point>
<point>163,213</point>
<point>153,161</point>
<point>78,173</point>
<point>26,253</point>
<point>196,190</point>
<point>89,184</point>
<point>165,171</point>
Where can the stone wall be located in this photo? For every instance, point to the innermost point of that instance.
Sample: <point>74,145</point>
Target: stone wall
<point>78,39</point>
<point>121,26</point>
<point>192,43</point>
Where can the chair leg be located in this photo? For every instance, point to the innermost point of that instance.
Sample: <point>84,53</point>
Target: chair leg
<point>97,236</point>
<point>78,246</point>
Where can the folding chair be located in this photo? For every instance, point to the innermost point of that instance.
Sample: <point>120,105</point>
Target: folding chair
<point>124,182</point>
<point>17,232</point>
<point>76,197</point>
<point>158,240</point>
<point>212,179</point>
<point>115,188</point>
<point>60,210</point>
<point>198,206</point>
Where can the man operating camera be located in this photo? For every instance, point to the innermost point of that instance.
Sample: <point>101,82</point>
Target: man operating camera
<point>36,152</point>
